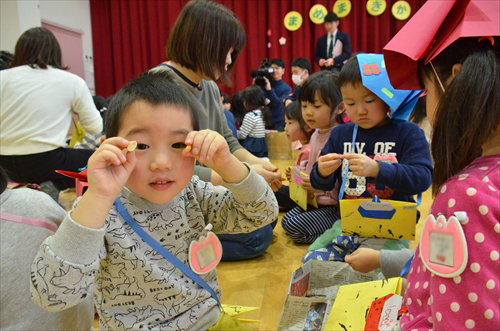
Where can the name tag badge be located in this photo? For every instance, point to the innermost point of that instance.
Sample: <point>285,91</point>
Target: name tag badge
<point>205,253</point>
<point>443,246</point>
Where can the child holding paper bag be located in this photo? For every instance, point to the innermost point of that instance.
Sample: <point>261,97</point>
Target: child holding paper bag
<point>296,129</point>
<point>102,247</point>
<point>390,158</point>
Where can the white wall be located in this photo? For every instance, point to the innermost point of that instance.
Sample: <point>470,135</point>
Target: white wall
<point>19,15</point>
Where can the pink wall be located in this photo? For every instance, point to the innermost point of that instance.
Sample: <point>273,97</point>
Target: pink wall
<point>71,44</point>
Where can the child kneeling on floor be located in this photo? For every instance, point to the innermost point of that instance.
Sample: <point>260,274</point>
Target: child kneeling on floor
<point>134,286</point>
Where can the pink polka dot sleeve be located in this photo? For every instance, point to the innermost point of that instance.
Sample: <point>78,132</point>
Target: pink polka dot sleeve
<point>471,300</point>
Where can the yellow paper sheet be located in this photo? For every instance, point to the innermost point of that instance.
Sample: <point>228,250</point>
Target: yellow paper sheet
<point>234,310</point>
<point>353,301</point>
<point>401,226</point>
<point>298,194</point>
<point>77,136</point>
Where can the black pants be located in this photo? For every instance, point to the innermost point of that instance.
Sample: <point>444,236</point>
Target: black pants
<point>40,167</point>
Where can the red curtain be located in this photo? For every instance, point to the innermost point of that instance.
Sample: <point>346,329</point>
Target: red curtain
<point>129,36</point>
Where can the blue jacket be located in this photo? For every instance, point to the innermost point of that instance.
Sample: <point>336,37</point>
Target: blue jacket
<point>295,95</point>
<point>279,91</point>
<point>230,122</point>
<point>406,171</point>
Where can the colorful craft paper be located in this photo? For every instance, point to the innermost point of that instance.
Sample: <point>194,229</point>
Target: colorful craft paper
<point>234,310</point>
<point>434,27</point>
<point>297,193</point>
<point>374,77</point>
<point>383,219</point>
<point>350,309</point>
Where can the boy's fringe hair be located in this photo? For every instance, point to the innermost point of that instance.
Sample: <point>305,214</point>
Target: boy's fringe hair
<point>157,86</point>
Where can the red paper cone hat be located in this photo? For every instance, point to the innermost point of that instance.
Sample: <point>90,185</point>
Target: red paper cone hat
<point>436,25</point>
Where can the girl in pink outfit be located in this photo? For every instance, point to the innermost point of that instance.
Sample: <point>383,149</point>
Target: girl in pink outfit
<point>446,289</point>
<point>296,129</point>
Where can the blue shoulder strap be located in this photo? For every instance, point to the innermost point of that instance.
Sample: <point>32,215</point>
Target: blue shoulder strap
<point>344,180</point>
<point>406,268</point>
<point>163,251</point>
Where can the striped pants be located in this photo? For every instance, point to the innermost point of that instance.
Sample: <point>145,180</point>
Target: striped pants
<point>304,227</point>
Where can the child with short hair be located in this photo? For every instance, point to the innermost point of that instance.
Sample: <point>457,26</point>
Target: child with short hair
<point>409,172</point>
<point>238,108</point>
<point>296,130</point>
<point>134,287</point>
<point>390,159</point>
<point>320,101</point>
<point>252,133</point>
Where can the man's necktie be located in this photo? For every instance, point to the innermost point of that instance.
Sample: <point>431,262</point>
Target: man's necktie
<point>330,48</point>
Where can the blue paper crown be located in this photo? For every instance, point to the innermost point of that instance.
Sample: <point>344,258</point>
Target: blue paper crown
<point>374,77</point>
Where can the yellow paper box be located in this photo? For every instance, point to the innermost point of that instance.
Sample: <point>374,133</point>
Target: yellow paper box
<point>378,219</point>
<point>353,302</point>
<point>297,192</point>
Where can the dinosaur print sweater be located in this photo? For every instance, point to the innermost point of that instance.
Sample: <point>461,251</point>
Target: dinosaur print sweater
<point>133,286</point>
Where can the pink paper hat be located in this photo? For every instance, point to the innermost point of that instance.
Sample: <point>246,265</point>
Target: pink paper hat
<point>436,25</point>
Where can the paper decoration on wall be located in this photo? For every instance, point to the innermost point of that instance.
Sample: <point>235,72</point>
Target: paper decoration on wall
<point>376,218</point>
<point>401,10</point>
<point>342,8</point>
<point>282,41</point>
<point>375,7</point>
<point>297,193</point>
<point>353,302</point>
<point>268,45</point>
<point>317,14</point>
<point>269,32</point>
<point>293,21</point>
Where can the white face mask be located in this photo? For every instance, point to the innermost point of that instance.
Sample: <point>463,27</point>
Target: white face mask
<point>296,79</point>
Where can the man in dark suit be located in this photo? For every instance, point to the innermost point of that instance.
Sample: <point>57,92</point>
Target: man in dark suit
<point>327,56</point>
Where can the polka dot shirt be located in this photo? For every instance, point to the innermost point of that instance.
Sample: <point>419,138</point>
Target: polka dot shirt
<point>471,300</point>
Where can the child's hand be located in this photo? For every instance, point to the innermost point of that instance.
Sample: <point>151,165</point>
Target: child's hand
<point>306,185</point>
<point>288,174</point>
<point>209,148</point>
<point>270,173</point>
<point>110,167</point>
<point>364,259</point>
<point>327,164</point>
<point>362,165</point>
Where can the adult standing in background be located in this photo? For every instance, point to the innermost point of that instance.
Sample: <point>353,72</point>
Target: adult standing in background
<point>334,47</point>
<point>38,100</point>
<point>202,49</point>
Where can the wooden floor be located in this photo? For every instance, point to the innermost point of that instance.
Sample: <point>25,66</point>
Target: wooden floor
<point>263,282</point>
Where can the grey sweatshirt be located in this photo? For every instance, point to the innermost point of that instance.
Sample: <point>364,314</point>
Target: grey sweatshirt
<point>392,262</point>
<point>19,246</point>
<point>134,286</point>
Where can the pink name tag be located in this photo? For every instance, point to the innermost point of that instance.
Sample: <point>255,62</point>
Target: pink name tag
<point>205,253</point>
<point>443,248</point>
